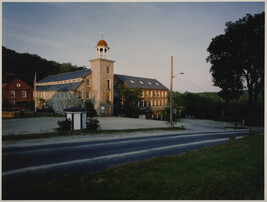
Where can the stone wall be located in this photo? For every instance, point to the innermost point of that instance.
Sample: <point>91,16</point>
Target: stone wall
<point>100,75</point>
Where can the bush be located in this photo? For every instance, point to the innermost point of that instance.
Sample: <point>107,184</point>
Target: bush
<point>91,110</point>
<point>64,125</point>
<point>92,124</point>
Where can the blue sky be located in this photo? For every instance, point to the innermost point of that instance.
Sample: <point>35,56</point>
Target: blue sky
<point>142,36</point>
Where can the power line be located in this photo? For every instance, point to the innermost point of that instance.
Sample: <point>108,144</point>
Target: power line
<point>191,84</point>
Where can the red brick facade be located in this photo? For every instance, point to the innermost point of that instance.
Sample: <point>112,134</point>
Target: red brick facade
<point>17,93</point>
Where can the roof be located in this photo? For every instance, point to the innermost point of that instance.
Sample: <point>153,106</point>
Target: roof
<point>22,84</point>
<point>76,109</point>
<point>102,43</point>
<point>59,87</point>
<point>66,76</point>
<point>139,82</point>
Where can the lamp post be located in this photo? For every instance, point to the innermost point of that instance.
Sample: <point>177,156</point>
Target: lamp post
<point>171,110</point>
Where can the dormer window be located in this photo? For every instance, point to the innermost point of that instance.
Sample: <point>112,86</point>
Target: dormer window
<point>157,84</point>
<point>141,82</point>
<point>131,81</point>
<point>149,83</point>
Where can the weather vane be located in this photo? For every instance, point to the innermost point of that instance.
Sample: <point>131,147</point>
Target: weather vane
<point>102,34</point>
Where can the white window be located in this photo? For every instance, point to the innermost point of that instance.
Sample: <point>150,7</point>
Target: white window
<point>158,102</point>
<point>162,94</point>
<point>12,94</point>
<point>166,93</point>
<point>141,82</point>
<point>147,93</point>
<point>131,81</point>
<point>149,83</point>
<point>151,93</point>
<point>157,84</point>
<point>88,82</point>
<point>12,102</point>
<point>24,93</point>
<point>158,93</point>
<point>142,94</point>
<point>155,103</point>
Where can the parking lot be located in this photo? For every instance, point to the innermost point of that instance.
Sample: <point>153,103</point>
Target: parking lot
<point>49,124</point>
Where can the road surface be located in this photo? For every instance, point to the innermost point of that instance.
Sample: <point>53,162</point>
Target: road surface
<point>45,161</point>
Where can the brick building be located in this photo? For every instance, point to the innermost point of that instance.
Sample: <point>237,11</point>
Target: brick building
<point>17,93</point>
<point>97,84</point>
<point>154,94</point>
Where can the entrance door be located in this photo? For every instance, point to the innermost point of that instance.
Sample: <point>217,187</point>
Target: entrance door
<point>108,110</point>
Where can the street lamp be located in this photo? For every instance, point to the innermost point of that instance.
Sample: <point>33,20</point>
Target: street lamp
<point>171,111</point>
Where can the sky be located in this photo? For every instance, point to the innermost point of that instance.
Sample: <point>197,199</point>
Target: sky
<point>142,36</point>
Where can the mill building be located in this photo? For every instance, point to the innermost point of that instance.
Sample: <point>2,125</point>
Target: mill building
<point>97,84</point>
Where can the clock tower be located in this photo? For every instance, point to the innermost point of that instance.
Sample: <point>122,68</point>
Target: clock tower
<point>102,80</point>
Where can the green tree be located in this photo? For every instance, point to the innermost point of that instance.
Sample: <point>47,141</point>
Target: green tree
<point>91,110</point>
<point>129,97</point>
<point>24,66</point>
<point>237,58</point>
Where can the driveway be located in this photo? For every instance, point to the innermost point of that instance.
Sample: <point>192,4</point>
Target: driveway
<point>49,124</point>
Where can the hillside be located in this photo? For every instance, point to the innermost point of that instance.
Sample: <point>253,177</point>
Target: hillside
<point>24,66</point>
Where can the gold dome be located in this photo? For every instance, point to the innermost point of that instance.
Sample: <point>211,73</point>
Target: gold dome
<point>102,43</point>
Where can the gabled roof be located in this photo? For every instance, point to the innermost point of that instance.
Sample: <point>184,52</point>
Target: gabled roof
<point>66,76</point>
<point>23,84</point>
<point>59,87</point>
<point>139,82</point>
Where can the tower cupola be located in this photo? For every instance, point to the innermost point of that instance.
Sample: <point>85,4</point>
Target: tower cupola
<point>102,49</point>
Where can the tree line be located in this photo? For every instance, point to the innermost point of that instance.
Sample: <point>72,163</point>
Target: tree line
<point>212,106</point>
<point>24,66</point>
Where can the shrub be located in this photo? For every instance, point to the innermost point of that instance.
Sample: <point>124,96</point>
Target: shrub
<point>92,124</point>
<point>91,110</point>
<point>64,125</point>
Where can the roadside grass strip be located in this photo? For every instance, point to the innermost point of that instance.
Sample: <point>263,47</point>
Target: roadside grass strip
<point>81,132</point>
<point>233,170</point>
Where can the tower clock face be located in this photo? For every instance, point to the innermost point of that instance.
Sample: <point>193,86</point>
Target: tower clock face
<point>18,85</point>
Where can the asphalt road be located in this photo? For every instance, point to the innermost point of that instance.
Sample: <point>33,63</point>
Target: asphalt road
<point>41,162</point>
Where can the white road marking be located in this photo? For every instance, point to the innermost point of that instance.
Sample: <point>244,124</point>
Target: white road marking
<point>88,160</point>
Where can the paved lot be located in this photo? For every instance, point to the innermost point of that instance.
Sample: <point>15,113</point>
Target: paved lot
<point>29,125</point>
<point>49,124</point>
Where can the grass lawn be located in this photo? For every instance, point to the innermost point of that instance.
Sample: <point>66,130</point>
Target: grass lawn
<point>232,170</point>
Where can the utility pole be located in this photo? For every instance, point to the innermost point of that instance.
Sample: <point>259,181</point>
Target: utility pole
<point>171,122</point>
<point>35,94</point>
